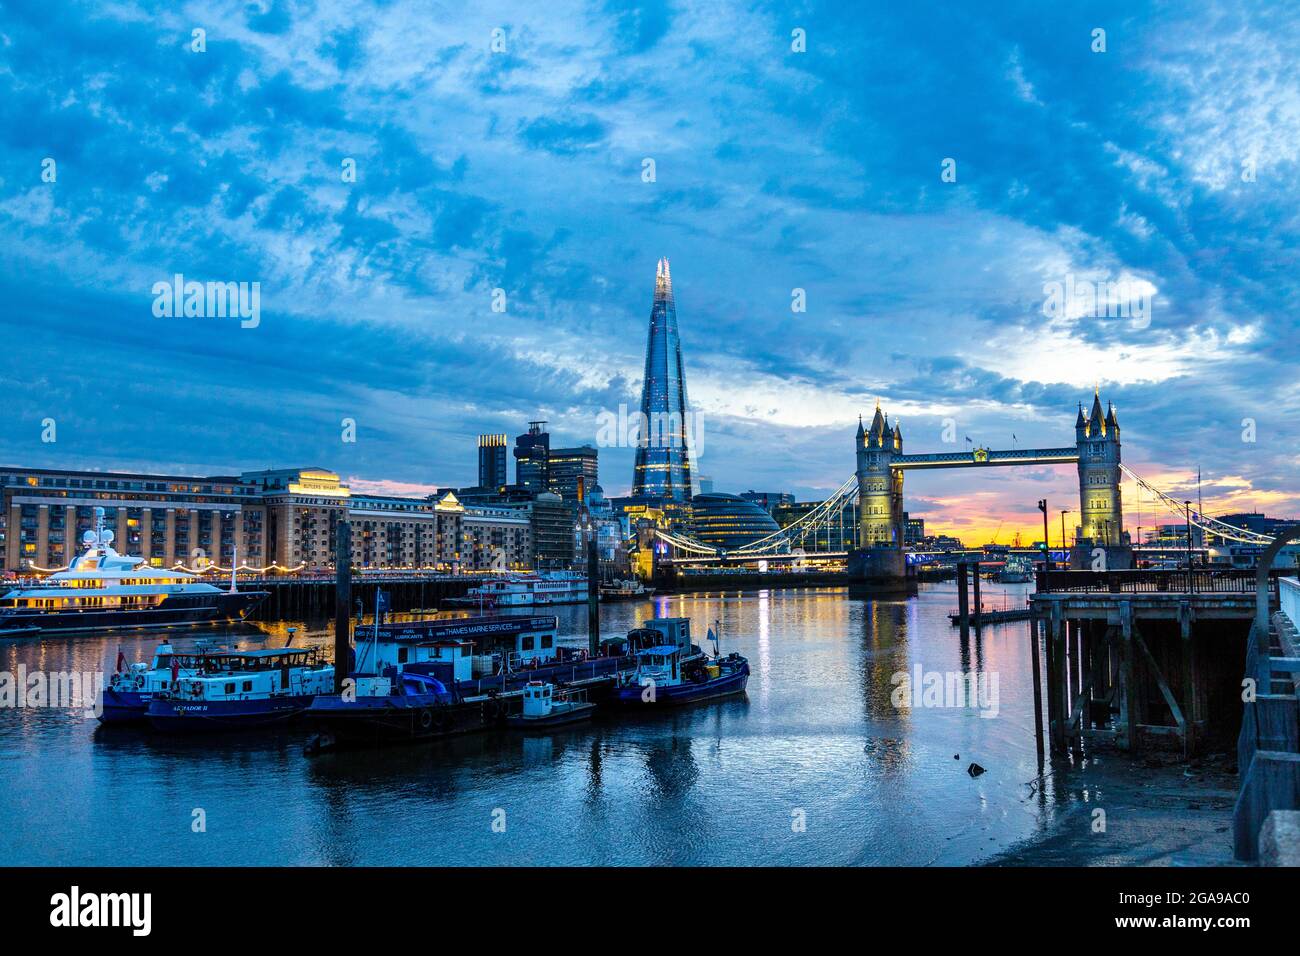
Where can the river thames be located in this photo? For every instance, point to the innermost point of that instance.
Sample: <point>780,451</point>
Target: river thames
<point>817,764</point>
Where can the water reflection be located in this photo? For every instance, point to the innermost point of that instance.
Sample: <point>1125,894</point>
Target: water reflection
<point>715,783</point>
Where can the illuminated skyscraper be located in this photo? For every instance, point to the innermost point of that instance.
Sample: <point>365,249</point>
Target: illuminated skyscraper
<point>492,461</point>
<point>663,459</point>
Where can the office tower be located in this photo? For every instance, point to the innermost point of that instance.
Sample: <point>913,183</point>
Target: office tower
<point>492,461</point>
<point>663,457</point>
<point>532,454</point>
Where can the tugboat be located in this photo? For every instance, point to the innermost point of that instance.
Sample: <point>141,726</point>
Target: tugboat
<point>676,672</point>
<point>544,707</point>
<point>103,589</point>
<point>404,701</point>
<point>417,680</point>
<point>240,689</point>
<point>130,689</point>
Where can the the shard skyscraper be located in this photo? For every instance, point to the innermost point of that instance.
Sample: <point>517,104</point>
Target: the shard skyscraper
<point>663,456</point>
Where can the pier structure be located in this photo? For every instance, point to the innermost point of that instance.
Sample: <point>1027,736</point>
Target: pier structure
<point>1144,658</point>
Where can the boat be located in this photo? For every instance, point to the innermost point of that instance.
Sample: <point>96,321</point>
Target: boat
<point>418,680</point>
<point>235,690</point>
<point>545,707</point>
<point>131,688</point>
<point>104,590</point>
<point>675,672</point>
<point>1018,569</point>
<point>630,590</point>
<point>527,590</point>
<point>16,632</point>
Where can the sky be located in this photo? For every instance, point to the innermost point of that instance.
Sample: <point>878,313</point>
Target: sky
<point>453,216</point>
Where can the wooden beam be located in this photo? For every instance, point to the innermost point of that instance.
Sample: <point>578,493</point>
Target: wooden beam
<point>1189,677</point>
<point>1128,699</point>
<point>1165,692</point>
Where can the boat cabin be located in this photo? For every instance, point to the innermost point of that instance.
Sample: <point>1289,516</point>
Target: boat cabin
<point>538,698</point>
<point>455,656</point>
<point>676,632</point>
<point>660,664</point>
<point>536,646</point>
<point>250,675</point>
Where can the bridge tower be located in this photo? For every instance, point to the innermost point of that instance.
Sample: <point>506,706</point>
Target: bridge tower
<point>880,487</point>
<point>1101,512</point>
<point>879,555</point>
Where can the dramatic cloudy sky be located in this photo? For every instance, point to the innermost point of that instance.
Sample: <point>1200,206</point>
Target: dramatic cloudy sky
<point>1171,162</point>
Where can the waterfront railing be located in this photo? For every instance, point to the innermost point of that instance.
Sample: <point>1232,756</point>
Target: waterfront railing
<point>1147,580</point>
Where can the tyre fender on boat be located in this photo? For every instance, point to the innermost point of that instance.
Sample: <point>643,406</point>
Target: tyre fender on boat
<point>426,719</point>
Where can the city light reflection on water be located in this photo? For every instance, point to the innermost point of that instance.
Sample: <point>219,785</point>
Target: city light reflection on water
<point>819,732</point>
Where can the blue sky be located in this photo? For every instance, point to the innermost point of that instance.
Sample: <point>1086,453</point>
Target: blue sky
<point>775,170</point>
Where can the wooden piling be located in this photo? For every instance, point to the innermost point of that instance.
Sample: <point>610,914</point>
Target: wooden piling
<point>342,603</point>
<point>963,602</point>
<point>1038,692</point>
<point>1058,681</point>
<point>979,606</point>
<point>1129,696</point>
<point>1188,678</point>
<point>593,595</point>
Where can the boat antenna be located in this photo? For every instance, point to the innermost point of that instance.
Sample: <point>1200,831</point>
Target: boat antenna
<point>715,632</point>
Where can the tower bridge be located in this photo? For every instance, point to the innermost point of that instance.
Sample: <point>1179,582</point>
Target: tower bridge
<point>876,487</point>
<point>881,464</point>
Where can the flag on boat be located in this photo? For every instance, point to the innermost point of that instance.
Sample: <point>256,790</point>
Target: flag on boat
<point>176,668</point>
<point>381,600</point>
<point>713,637</point>
<point>121,661</point>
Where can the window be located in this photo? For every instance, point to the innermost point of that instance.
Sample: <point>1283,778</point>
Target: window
<point>230,688</point>
<point>547,641</point>
<point>403,654</point>
<point>248,685</point>
<point>526,642</point>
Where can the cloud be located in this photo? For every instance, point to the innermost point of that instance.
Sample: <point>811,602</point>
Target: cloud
<point>776,171</point>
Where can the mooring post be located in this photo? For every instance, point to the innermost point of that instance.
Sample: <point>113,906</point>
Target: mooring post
<point>1038,691</point>
<point>963,602</point>
<point>1052,698</point>
<point>593,593</point>
<point>342,603</point>
<point>1060,680</point>
<point>979,607</point>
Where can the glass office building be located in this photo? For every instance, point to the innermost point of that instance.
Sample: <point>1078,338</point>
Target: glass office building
<point>663,459</point>
<point>729,522</point>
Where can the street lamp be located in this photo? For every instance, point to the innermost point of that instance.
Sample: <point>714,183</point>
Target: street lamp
<point>1047,554</point>
<point>1064,512</point>
<point>1187,513</point>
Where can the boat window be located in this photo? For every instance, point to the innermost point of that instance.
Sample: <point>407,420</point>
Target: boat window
<point>230,688</point>
<point>547,641</point>
<point>248,685</point>
<point>526,642</point>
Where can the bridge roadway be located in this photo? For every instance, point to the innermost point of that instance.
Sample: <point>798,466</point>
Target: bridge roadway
<point>986,457</point>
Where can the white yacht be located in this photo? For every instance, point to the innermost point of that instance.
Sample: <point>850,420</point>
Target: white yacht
<point>528,590</point>
<point>103,589</point>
